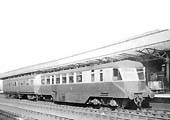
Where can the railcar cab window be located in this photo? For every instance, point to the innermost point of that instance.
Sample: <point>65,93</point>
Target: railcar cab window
<point>71,77</point>
<point>140,72</point>
<point>64,78</point>
<point>79,77</point>
<point>129,74</point>
<point>57,79</point>
<point>116,74</point>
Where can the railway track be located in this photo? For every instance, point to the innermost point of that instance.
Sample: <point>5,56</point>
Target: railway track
<point>31,110</point>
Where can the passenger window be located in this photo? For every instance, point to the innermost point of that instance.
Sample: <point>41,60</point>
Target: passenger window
<point>92,76</point>
<point>79,77</point>
<point>21,83</point>
<point>48,79</point>
<point>27,83</point>
<point>24,82</point>
<point>101,75</point>
<point>14,83</point>
<point>42,80</point>
<point>64,79</point>
<point>32,82</point>
<point>52,79</point>
<point>57,79</point>
<point>71,78</point>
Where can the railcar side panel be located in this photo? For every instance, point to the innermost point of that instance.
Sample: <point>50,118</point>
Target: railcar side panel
<point>108,74</point>
<point>81,92</point>
<point>86,76</point>
<point>19,85</point>
<point>37,84</point>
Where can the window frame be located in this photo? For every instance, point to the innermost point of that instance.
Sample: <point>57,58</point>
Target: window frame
<point>79,77</point>
<point>101,76</point>
<point>64,78</point>
<point>71,78</point>
<point>58,80</point>
<point>117,75</point>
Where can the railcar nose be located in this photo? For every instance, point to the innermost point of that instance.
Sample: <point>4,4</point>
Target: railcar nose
<point>136,87</point>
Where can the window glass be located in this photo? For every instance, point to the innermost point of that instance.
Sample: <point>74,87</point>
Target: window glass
<point>15,84</point>
<point>129,74</point>
<point>48,80</point>
<point>24,83</point>
<point>64,79</point>
<point>21,83</point>
<point>71,78</point>
<point>52,79</point>
<point>57,79</point>
<point>140,74</point>
<point>116,73</point>
<point>79,77</point>
<point>92,77</point>
<point>42,80</point>
<point>31,82</point>
<point>27,83</point>
<point>101,76</point>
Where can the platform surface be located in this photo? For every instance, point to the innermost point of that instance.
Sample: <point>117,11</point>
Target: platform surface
<point>162,95</point>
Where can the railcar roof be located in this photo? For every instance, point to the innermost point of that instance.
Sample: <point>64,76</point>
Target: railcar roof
<point>118,64</point>
<point>158,39</point>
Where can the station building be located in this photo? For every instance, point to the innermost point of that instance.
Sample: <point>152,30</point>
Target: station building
<point>151,48</point>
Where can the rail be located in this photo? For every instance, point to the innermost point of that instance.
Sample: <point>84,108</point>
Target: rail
<point>41,110</point>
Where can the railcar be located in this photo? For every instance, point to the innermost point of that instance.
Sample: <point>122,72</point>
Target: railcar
<point>117,84</point>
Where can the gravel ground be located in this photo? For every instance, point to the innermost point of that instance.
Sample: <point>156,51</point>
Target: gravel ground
<point>4,117</point>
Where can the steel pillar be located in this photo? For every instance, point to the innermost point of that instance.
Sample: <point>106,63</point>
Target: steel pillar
<point>167,71</point>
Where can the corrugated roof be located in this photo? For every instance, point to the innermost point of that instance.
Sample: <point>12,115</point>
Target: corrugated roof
<point>158,39</point>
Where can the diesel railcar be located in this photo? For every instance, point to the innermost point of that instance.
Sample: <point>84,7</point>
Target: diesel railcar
<point>119,83</point>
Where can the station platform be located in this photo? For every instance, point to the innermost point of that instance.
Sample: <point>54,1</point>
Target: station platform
<point>161,102</point>
<point>161,98</point>
<point>162,95</point>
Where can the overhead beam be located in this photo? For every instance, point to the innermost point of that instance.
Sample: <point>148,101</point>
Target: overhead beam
<point>154,53</point>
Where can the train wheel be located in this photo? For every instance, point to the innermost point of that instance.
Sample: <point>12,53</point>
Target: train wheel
<point>113,103</point>
<point>94,103</point>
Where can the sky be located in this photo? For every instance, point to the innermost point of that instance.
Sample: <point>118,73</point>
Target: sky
<point>37,31</point>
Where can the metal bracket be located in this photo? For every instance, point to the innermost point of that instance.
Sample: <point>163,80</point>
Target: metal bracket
<point>155,53</point>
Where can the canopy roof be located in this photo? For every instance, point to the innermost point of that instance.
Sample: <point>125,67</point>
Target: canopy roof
<point>131,48</point>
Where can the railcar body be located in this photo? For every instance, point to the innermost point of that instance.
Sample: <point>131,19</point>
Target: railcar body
<point>115,84</point>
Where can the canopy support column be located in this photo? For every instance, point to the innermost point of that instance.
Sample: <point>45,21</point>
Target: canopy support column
<point>167,71</point>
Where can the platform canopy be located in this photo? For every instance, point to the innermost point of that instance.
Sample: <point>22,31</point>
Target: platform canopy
<point>154,42</point>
